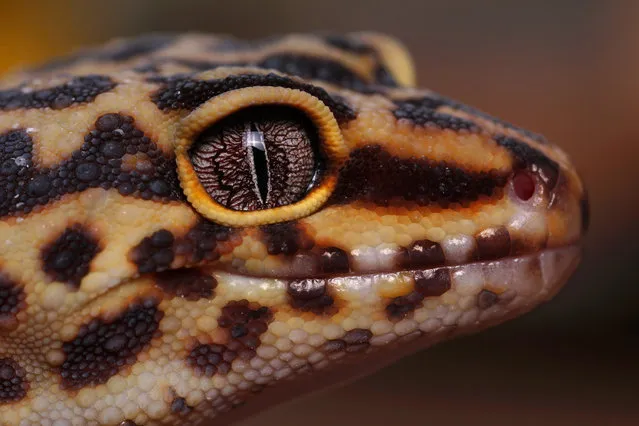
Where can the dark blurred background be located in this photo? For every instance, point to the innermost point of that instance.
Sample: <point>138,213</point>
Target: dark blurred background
<point>568,69</point>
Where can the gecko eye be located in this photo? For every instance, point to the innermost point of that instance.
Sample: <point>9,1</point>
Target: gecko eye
<point>259,155</point>
<point>258,158</point>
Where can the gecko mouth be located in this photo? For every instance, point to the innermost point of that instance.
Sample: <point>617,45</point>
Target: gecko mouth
<point>482,286</point>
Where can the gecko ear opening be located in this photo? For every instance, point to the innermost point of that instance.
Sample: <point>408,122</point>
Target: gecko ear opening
<point>394,57</point>
<point>259,155</point>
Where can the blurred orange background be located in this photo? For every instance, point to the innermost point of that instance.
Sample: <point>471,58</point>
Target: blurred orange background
<point>568,69</point>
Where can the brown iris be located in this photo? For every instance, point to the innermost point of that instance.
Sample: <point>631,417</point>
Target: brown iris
<point>258,158</point>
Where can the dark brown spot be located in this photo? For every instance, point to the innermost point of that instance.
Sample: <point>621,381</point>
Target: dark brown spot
<point>401,306</point>
<point>428,283</point>
<point>15,166</point>
<point>333,260</point>
<point>486,299</point>
<point>210,359</point>
<point>348,44</point>
<point>307,289</point>
<point>245,323</point>
<point>355,340</point>
<point>16,149</point>
<point>108,122</point>
<point>128,423</point>
<point>68,258</point>
<point>435,101</point>
<point>185,93</point>
<point>421,254</point>
<point>191,284</point>
<point>433,282</point>
<point>79,90</point>
<point>154,253</point>
<point>357,336</point>
<point>371,174</point>
<point>98,163</point>
<point>201,242</point>
<point>179,406</point>
<point>315,68</point>
<point>13,382</point>
<point>423,112</point>
<point>157,252</point>
<point>285,238</point>
<point>384,77</point>
<point>12,300</point>
<point>493,243</point>
<point>103,348</point>
<point>310,295</point>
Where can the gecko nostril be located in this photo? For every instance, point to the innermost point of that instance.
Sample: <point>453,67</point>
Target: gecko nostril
<point>524,184</point>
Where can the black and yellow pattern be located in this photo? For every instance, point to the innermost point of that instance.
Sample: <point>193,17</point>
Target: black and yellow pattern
<point>132,293</point>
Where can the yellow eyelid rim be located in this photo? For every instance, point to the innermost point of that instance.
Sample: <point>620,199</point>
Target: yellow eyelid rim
<point>227,103</point>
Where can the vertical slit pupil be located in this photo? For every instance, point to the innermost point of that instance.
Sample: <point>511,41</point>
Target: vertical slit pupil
<point>255,140</point>
<point>259,156</point>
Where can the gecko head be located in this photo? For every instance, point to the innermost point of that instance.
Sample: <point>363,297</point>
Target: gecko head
<point>220,229</point>
<point>362,223</point>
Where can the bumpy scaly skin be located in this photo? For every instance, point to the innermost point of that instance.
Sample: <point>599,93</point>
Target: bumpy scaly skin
<point>121,304</point>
